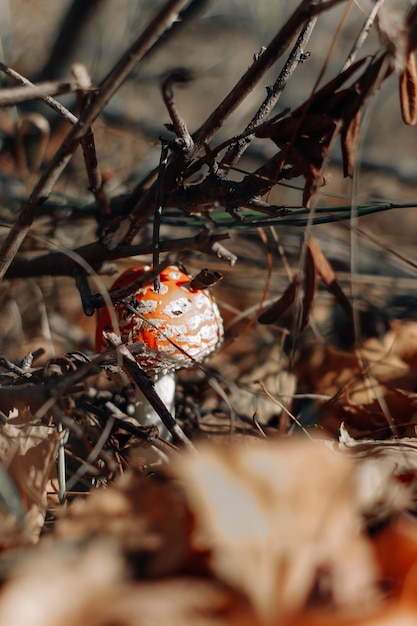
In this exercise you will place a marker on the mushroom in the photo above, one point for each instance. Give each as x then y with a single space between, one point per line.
176 325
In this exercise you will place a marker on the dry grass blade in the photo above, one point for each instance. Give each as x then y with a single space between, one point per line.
309 288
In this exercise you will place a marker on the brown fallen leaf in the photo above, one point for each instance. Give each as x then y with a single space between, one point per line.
147 519
52 583
28 457
401 341
396 564
274 518
168 602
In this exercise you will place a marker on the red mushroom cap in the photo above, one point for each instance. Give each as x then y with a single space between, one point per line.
177 325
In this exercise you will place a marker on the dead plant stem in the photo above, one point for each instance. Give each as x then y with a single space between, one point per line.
51 102
236 150
125 229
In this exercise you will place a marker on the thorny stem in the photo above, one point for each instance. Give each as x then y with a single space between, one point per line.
236 150
162 21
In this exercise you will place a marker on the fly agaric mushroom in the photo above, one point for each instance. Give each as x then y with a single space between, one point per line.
176 325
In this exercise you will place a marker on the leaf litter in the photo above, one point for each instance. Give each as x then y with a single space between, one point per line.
255 524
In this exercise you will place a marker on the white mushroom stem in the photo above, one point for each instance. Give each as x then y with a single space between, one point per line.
146 415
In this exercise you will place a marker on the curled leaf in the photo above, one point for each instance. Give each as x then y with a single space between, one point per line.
350 140
274 312
408 91
328 276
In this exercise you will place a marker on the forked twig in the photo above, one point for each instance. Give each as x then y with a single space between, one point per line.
51 102
304 12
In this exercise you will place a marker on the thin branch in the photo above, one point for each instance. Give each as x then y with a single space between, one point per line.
53 104
88 144
83 286
59 264
158 213
295 58
124 230
23 93
147 388
162 21
179 126
360 40
304 12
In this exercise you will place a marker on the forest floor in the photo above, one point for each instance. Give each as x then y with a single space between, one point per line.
285 493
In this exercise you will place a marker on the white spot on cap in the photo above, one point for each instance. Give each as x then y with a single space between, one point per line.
146 306
174 275
177 307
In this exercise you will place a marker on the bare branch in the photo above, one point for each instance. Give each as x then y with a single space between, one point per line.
179 126
59 264
125 229
88 144
236 150
163 20
53 104
15 95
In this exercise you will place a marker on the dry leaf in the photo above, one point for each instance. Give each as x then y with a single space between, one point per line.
408 91
274 518
401 341
276 310
386 473
170 602
306 135
328 276
52 583
396 549
28 457
146 518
